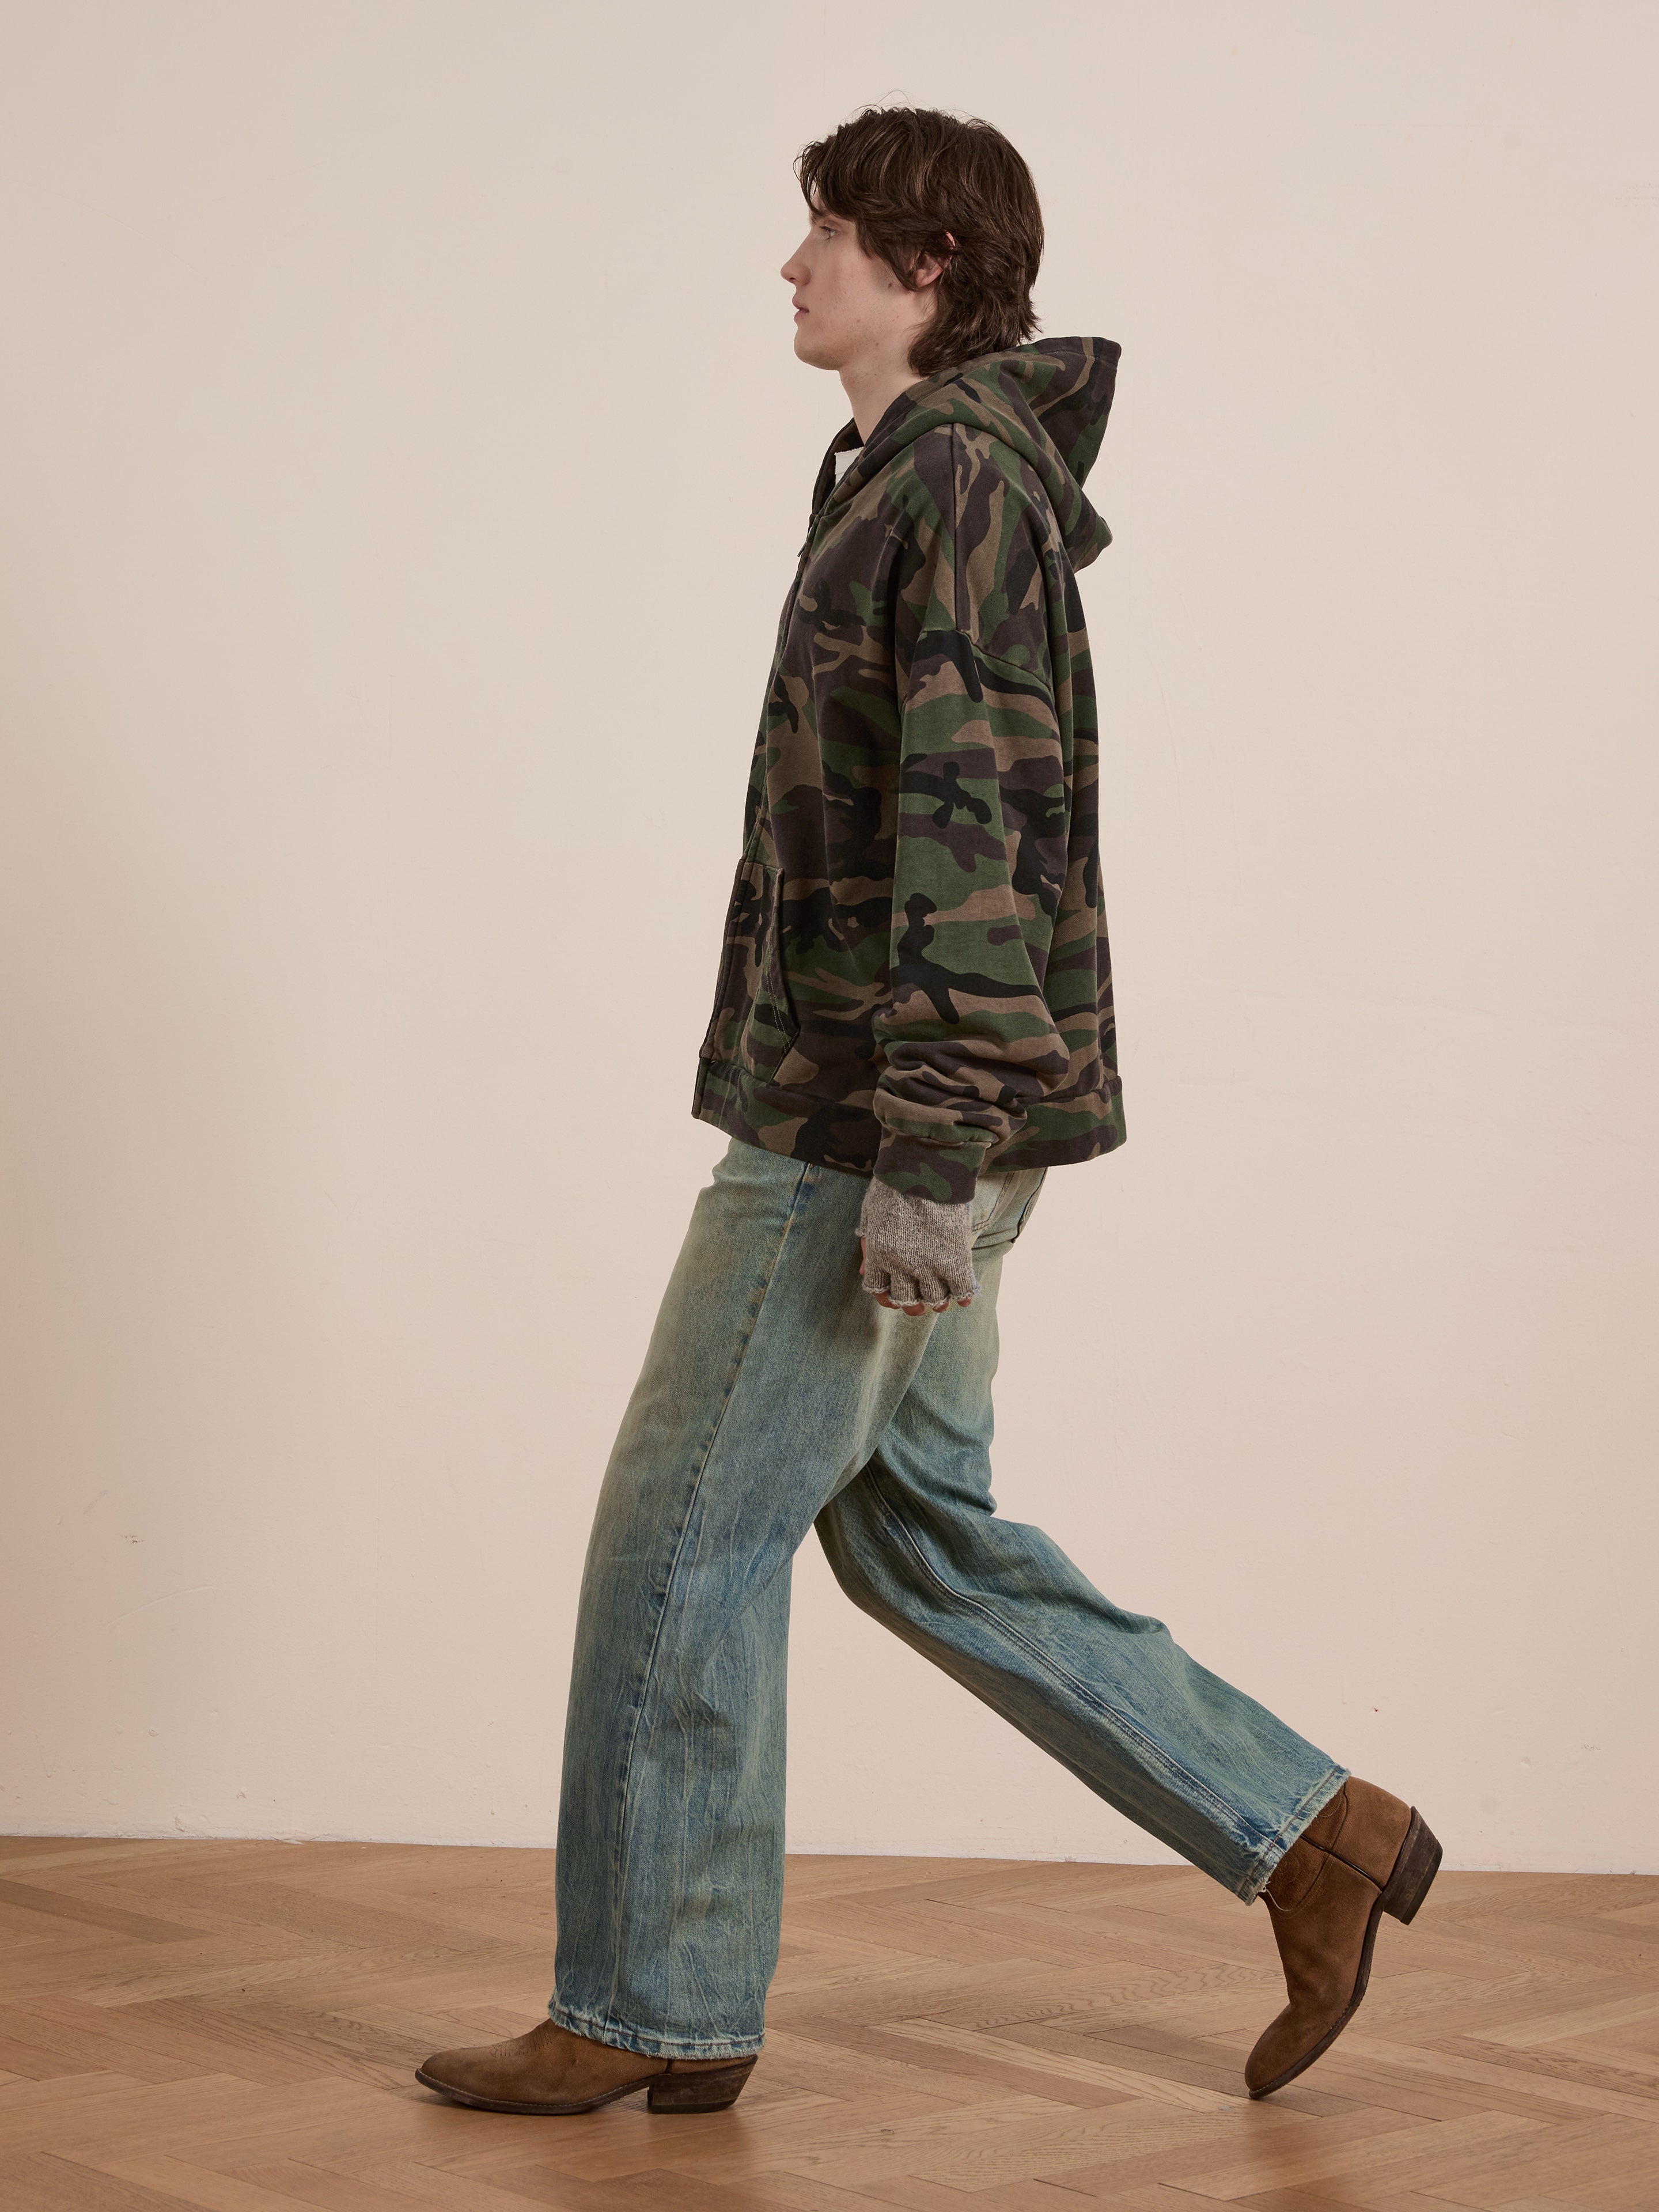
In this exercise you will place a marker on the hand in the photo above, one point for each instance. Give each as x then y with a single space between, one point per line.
915 1254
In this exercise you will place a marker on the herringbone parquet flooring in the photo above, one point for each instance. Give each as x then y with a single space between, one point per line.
233 2026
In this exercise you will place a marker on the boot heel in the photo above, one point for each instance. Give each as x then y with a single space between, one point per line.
709 2092
1414 1870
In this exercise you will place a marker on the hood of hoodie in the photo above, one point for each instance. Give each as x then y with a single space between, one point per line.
1048 401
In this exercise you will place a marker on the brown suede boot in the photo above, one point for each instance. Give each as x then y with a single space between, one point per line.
551 2070
1363 1855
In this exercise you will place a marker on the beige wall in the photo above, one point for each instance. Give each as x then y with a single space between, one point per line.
403 462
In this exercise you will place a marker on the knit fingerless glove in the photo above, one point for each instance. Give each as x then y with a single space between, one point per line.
917 1250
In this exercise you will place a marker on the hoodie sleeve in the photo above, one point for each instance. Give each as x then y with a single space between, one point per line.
966 1040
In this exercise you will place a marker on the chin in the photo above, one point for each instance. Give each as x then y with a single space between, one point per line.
813 354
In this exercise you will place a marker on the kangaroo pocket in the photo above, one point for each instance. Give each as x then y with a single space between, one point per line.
753 1024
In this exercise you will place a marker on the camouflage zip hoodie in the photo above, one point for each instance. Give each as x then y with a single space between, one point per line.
914 982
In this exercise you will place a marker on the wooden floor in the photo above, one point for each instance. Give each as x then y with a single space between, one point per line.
233 2025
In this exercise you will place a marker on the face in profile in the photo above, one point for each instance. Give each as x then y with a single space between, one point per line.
848 305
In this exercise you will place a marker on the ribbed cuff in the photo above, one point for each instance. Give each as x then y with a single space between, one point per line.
923 1167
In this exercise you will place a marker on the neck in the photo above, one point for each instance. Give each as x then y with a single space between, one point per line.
872 386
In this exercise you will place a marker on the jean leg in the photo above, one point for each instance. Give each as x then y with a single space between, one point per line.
915 1540
769 1375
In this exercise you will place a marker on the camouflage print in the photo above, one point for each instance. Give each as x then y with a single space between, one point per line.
914 982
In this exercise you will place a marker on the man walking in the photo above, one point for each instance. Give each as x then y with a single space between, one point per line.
912 1025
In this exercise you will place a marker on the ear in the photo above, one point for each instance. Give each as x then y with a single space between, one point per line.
930 267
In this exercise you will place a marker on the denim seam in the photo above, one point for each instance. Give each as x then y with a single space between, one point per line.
623 1823
1059 1673
1317 1795
1019 1226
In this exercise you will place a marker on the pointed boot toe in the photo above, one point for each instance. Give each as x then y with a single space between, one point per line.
1364 1854
549 2070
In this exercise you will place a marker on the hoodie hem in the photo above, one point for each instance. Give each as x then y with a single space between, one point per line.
796 1125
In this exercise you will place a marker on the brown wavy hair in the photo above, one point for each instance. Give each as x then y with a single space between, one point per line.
910 181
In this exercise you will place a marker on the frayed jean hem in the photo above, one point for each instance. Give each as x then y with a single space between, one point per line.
648 2042
1260 1872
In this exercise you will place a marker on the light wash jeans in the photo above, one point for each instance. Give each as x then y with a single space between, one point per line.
777 1394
